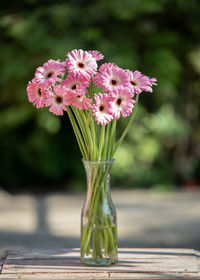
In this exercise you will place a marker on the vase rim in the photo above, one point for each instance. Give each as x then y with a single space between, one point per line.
99 161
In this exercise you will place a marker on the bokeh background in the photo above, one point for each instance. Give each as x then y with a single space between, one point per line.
42 179
160 38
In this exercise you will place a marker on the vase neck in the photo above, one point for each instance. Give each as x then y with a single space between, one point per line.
98 174
104 165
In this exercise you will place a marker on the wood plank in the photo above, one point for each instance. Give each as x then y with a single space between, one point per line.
92 276
68 266
126 253
132 264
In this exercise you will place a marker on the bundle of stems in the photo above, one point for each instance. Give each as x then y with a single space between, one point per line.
95 147
97 144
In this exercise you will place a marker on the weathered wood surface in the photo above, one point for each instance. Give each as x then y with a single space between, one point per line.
133 264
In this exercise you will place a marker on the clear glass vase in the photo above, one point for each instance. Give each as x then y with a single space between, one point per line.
98 218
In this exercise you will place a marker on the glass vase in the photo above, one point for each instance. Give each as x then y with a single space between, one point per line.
98 218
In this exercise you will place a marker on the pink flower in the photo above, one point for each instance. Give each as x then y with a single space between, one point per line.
79 100
139 82
82 63
120 102
75 82
100 109
48 73
113 77
105 66
56 99
36 94
97 78
97 55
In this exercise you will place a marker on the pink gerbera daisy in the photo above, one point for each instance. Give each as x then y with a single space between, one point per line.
97 55
56 99
79 100
36 94
97 78
120 102
114 77
100 109
48 73
75 82
82 63
139 82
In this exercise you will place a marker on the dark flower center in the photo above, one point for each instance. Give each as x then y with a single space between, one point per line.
39 92
74 87
81 65
59 99
113 82
119 101
133 83
101 108
50 74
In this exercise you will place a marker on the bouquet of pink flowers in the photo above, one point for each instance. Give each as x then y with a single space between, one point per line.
94 100
89 97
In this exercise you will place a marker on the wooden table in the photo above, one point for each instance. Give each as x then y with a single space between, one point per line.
133 264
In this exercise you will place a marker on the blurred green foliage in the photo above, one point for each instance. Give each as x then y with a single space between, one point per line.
159 38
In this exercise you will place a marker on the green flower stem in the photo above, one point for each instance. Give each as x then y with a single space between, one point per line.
88 133
105 242
104 152
82 128
111 142
113 138
90 90
127 128
77 133
85 240
94 140
96 186
112 231
92 210
91 214
101 141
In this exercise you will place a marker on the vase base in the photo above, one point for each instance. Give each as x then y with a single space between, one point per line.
98 262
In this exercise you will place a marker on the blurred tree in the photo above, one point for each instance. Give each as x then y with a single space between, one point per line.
159 38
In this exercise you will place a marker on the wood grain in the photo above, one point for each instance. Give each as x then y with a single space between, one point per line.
133 264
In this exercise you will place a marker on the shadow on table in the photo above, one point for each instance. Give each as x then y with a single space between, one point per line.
42 237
